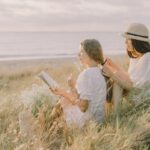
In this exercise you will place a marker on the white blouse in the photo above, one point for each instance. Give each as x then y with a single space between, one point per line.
139 70
91 86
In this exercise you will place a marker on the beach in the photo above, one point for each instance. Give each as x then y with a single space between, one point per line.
20 129
27 64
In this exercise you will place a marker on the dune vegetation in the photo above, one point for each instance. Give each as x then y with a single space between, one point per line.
29 122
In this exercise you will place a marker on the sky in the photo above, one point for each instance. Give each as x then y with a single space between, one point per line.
72 15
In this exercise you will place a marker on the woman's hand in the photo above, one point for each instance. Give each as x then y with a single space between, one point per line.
71 81
109 68
67 95
57 91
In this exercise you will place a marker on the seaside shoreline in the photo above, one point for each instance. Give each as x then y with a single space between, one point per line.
37 59
25 64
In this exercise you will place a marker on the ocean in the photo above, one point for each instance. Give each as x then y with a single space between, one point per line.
35 45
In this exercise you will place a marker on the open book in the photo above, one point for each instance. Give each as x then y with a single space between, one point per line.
48 79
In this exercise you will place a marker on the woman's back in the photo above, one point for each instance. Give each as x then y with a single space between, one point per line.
91 85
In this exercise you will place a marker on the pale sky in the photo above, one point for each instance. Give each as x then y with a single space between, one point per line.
72 15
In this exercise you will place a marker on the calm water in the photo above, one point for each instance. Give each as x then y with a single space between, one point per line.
54 44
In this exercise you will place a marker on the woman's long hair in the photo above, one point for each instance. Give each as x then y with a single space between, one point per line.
94 50
140 46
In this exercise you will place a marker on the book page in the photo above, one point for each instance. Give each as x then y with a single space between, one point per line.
48 79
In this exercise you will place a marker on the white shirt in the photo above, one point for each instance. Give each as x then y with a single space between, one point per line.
91 86
139 70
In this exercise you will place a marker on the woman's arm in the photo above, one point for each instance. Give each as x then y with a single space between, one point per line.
73 98
117 74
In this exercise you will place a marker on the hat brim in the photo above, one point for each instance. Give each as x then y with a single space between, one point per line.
135 37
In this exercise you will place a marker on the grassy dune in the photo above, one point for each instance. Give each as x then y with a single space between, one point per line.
24 96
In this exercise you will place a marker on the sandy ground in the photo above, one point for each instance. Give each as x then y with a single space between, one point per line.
20 64
14 65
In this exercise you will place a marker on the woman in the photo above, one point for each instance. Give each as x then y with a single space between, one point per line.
138 49
87 97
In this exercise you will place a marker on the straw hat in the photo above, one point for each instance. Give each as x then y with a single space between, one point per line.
137 31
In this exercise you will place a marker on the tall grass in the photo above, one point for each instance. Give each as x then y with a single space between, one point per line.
27 121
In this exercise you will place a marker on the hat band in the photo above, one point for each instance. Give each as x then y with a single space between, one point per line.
136 35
